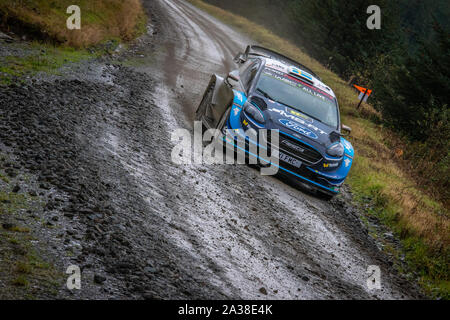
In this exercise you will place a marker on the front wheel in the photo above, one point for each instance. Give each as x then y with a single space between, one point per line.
325 196
223 120
220 132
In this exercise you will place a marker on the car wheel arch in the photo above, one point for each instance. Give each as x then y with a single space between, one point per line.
222 97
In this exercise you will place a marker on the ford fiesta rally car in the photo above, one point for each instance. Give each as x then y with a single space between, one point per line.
272 91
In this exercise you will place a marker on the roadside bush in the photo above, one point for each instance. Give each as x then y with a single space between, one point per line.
413 98
413 95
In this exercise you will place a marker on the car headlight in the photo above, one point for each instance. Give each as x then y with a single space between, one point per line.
254 113
336 150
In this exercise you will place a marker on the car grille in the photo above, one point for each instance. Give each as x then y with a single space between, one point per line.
297 149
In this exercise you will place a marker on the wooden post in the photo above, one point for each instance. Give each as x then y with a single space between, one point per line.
362 98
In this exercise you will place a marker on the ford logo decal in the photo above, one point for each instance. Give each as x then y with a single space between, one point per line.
298 128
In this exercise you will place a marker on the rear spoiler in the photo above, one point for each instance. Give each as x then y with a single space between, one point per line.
267 53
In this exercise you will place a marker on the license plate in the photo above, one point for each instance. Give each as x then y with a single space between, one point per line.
292 161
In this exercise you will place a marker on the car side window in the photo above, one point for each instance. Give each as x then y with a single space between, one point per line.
244 68
249 73
252 74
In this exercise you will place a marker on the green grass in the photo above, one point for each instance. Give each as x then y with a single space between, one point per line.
3 177
105 24
23 267
20 281
377 177
430 262
41 58
100 19
11 202
24 271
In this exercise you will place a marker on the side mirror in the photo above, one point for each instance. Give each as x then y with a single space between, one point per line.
346 129
234 75
240 58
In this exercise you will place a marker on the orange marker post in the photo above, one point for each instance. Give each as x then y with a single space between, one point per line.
364 94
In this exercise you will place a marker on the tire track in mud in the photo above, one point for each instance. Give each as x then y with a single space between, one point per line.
158 196
209 50
224 46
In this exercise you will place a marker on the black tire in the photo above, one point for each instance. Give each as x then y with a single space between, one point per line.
220 126
223 119
325 196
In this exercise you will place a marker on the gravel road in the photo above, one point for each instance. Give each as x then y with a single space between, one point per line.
96 142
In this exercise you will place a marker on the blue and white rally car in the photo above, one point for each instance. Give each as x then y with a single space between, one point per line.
271 91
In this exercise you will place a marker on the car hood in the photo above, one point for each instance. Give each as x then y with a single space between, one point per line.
293 122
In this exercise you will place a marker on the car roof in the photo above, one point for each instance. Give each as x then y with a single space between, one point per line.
299 72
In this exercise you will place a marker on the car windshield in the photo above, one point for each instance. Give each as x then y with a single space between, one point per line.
287 90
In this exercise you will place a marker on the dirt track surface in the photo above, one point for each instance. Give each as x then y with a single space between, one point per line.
97 143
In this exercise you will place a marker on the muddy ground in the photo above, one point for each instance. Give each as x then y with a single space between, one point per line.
95 145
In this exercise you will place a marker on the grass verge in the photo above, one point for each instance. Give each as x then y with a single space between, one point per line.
38 57
24 271
100 19
378 177
104 24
